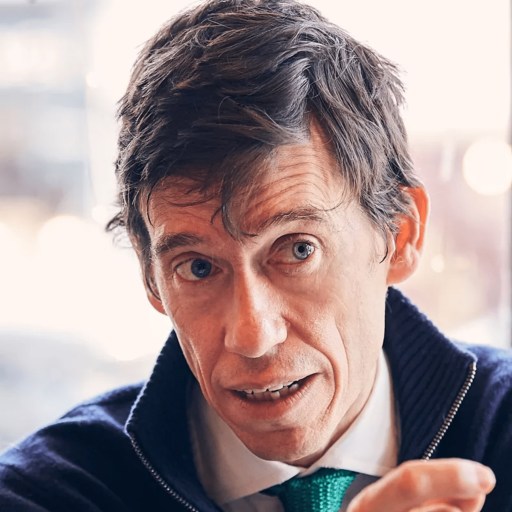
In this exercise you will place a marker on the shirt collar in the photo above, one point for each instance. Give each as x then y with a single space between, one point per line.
229 471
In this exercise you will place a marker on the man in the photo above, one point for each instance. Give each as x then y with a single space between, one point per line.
266 186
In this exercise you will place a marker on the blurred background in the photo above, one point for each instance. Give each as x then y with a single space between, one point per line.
73 314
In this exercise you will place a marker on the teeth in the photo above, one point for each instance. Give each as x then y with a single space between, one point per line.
249 391
278 388
275 388
273 393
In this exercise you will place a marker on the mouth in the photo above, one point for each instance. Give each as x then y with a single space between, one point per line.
272 393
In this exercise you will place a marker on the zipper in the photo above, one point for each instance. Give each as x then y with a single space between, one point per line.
451 413
154 473
426 455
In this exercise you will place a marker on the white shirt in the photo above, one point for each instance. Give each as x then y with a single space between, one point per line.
233 476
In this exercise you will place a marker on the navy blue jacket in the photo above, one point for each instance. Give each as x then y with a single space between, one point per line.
129 450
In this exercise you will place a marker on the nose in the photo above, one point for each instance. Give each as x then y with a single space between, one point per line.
256 325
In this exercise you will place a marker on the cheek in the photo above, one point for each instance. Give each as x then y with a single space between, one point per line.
318 324
363 327
353 300
199 340
199 326
200 360
191 353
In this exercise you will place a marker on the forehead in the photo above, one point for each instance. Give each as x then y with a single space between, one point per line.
297 179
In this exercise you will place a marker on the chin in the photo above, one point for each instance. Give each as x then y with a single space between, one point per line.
296 449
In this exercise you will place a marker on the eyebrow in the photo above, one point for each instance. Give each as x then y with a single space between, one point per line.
173 241
307 213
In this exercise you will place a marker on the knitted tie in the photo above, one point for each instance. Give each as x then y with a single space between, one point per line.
322 491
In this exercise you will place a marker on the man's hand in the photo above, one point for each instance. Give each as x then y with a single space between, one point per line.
442 485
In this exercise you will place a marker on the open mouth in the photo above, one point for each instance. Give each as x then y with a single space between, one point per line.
273 393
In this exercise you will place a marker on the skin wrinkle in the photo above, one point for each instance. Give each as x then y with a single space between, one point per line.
307 157
298 181
170 242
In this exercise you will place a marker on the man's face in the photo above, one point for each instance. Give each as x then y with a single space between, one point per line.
283 329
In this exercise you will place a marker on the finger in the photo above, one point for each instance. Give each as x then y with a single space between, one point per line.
472 505
415 483
436 508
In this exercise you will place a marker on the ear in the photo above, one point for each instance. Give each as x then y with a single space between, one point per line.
148 276
409 239
152 292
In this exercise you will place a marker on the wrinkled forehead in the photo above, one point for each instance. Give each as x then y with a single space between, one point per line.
294 178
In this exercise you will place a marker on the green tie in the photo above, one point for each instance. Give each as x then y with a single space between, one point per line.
322 491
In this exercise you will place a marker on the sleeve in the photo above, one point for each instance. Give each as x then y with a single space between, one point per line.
82 463
482 429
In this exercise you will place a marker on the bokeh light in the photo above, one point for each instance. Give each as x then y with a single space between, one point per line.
487 166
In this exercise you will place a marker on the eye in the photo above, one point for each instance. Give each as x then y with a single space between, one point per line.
293 253
194 270
302 250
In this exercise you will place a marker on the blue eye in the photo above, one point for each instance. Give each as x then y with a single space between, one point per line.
302 250
196 269
200 268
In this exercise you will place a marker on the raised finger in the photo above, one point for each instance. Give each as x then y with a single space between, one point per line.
420 483
472 505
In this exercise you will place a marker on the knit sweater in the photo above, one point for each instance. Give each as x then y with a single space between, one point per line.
129 450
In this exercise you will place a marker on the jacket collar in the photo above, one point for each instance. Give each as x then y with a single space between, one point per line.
427 369
158 425
428 372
